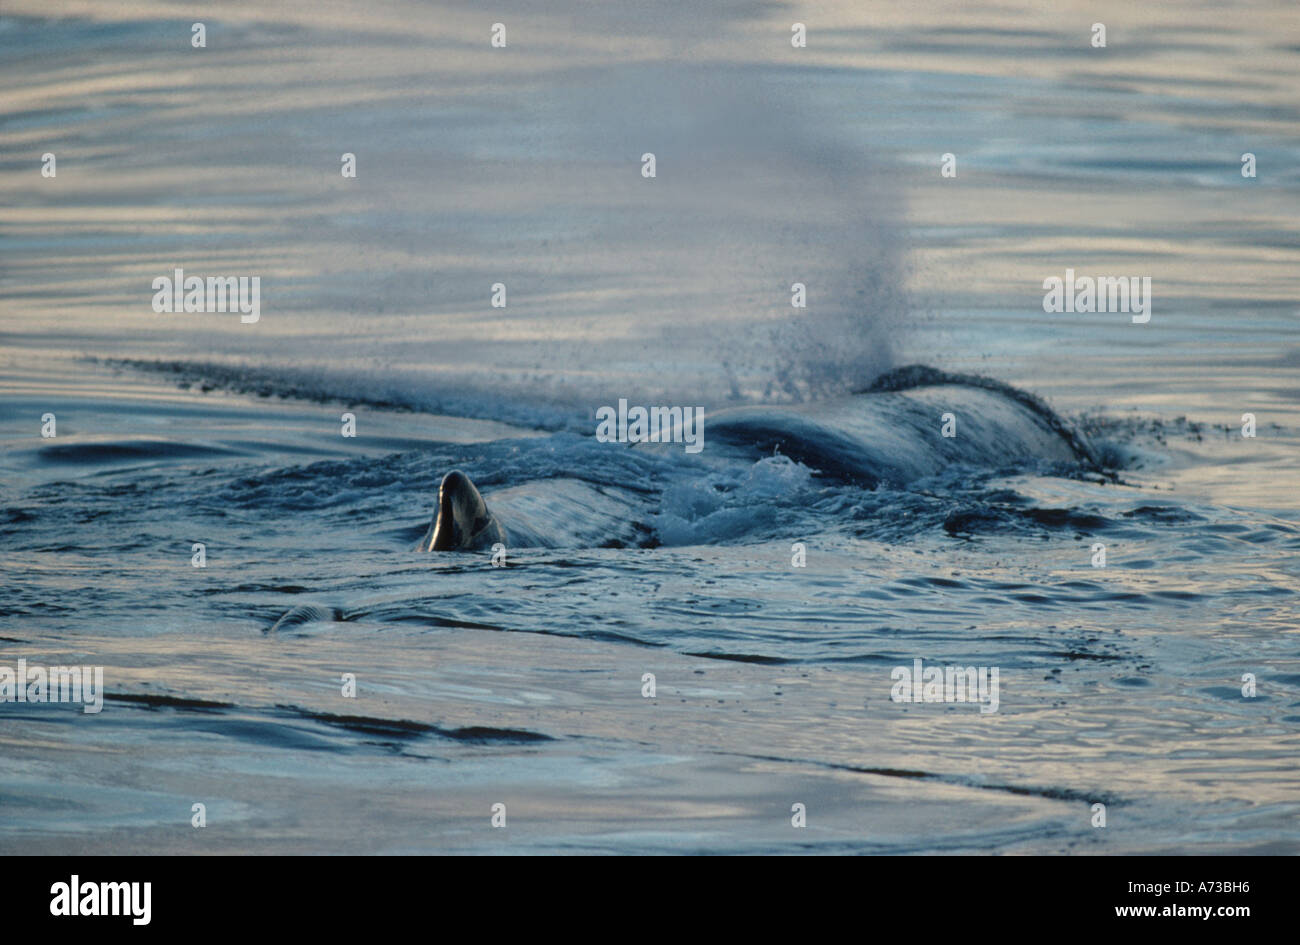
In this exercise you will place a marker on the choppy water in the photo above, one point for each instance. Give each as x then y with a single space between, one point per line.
523 685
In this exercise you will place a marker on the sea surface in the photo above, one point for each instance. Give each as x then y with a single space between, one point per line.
525 685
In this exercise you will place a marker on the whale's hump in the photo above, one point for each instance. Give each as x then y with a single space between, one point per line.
893 431
463 521
915 376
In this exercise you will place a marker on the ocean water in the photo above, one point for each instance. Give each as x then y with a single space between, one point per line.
524 685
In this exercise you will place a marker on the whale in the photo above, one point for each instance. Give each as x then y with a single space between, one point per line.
910 423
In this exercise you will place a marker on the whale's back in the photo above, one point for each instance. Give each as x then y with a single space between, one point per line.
894 432
896 438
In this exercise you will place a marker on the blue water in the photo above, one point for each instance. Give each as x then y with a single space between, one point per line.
524 684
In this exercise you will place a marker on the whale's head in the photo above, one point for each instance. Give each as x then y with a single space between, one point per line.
463 522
